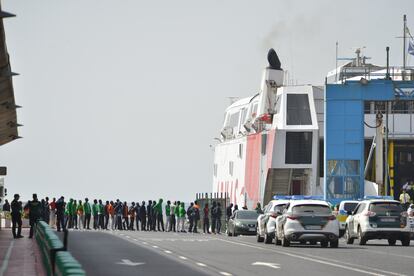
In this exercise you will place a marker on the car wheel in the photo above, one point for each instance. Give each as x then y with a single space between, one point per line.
259 238
324 244
341 233
229 233
392 242
234 233
267 238
334 244
405 241
361 236
285 241
277 241
347 237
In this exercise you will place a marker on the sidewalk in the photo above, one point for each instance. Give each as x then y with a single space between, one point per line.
19 257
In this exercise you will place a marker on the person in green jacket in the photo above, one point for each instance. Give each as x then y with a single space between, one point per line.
88 211
68 214
181 217
95 212
158 212
168 216
74 215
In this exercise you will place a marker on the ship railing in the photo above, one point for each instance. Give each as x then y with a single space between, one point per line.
368 72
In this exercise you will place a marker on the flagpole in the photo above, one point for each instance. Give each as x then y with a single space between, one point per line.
404 33
336 63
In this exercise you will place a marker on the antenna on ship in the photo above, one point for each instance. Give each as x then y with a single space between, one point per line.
404 37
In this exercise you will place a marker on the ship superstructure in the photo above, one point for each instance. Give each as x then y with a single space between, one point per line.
269 142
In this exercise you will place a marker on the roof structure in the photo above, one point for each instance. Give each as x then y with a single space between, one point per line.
8 117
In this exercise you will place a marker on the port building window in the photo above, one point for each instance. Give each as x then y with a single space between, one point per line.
298 148
298 110
343 178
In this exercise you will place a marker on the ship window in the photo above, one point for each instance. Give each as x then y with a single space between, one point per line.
240 151
233 120
298 148
243 115
264 143
254 110
298 110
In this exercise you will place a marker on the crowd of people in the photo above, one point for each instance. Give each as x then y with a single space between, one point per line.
117 215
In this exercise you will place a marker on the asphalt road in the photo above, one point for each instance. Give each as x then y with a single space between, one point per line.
118 252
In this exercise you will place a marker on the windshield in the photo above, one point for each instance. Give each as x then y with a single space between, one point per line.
311 209
386 208
349 207
247 215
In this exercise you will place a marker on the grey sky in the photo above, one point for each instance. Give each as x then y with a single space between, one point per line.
121 99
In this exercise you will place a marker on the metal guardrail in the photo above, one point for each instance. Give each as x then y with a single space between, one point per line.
56 259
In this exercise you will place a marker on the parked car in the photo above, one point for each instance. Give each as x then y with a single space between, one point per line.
307 220
345 207
242 222
378 219
266 222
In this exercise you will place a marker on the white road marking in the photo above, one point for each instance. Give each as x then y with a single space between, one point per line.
135 239
3 268
312 259
144 243
272 265
155 246
183 258
225 273
129 263
128 237
167 251
201 264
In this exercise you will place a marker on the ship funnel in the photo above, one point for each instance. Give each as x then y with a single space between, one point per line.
274 61
272 78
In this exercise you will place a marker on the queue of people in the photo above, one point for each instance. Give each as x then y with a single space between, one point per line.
117 215
144 216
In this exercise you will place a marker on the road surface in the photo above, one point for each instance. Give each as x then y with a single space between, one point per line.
155 253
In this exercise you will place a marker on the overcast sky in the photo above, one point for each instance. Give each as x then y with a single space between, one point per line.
122 99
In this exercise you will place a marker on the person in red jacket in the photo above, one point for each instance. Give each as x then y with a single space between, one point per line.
125 211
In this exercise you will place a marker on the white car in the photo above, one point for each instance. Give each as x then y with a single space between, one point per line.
345 208
378 219
266 222
307 220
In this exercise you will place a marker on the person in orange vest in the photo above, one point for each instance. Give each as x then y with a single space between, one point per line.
111 213
81 216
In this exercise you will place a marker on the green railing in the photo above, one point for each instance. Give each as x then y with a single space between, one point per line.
56 260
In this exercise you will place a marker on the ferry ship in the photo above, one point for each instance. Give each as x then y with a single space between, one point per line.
269 142
272 143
